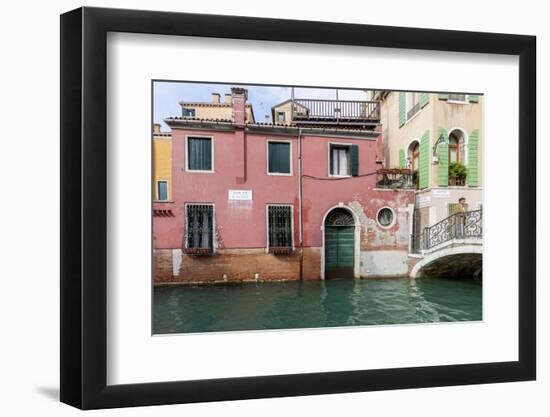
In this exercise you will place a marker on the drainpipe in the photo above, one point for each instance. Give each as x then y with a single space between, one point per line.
300 231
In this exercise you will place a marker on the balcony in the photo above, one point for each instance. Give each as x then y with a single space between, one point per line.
330 112
394 179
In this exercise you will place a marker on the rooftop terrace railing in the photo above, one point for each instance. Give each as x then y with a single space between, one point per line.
318 110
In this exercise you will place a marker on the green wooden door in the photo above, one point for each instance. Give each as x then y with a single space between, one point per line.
339 248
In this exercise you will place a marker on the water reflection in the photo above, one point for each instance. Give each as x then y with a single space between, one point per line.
309 304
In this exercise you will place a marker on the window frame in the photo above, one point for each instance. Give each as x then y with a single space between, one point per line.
346 145
283 174
466 100
213 225
158 193
409 107
267 206
277 114
393 221
189 110
212 150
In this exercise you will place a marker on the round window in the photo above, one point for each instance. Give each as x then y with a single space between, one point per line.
385 217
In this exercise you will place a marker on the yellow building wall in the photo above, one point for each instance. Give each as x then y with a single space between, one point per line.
162 163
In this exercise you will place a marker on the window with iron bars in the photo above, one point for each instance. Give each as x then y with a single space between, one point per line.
199 228
279 229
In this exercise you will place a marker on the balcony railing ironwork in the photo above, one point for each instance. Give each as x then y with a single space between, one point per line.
340 111
394 178
461 225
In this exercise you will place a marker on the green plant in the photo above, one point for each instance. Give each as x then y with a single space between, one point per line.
457 171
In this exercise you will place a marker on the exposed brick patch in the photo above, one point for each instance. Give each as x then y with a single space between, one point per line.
162 265
229 266
312 263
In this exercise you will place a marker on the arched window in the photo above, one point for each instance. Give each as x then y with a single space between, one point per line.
457 147
414 158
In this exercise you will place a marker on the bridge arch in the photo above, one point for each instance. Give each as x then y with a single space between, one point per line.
458 261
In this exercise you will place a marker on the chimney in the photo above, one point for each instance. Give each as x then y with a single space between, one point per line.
239 96
266 118
156 128
228 99
215 98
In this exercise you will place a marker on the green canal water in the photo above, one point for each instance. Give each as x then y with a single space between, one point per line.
308 304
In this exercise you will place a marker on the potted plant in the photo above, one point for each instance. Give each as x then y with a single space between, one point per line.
457 173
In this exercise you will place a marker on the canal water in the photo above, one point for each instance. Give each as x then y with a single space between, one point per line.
308 304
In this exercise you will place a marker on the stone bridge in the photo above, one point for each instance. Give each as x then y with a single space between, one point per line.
452 247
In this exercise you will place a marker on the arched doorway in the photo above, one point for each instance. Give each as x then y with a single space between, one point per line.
339 254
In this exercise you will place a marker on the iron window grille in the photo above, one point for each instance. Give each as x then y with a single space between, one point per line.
280 229
199 229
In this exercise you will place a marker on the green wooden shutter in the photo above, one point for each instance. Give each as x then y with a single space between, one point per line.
424 99
402 160
354 160
279 157
443 155
199 154
473 99
424 168
402 115
473 179
443 96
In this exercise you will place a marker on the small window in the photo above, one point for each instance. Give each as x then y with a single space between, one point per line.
279 227
199 227
199 154
278 155
413 104
162 190
281 117
457 97
188 112
339 160
385 217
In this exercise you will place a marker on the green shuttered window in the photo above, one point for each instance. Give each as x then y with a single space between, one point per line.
278 157
473 155
402 159
424 168
354 160
344 160
199 154
402 110
443 156
424 99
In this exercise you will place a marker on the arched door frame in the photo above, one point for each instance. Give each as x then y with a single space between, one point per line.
356 240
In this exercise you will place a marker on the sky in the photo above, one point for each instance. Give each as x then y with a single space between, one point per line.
167 95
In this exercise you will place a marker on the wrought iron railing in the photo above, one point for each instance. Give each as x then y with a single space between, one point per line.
394 178
349 110
461 225
199 230
280 229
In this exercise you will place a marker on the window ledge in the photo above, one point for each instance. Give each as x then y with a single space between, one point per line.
198 251
281 250
279 174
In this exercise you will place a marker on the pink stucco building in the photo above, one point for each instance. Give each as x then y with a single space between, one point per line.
286 201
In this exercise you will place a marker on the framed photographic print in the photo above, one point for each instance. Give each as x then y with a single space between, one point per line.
258 208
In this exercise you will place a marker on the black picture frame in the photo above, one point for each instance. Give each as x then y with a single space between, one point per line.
84 207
